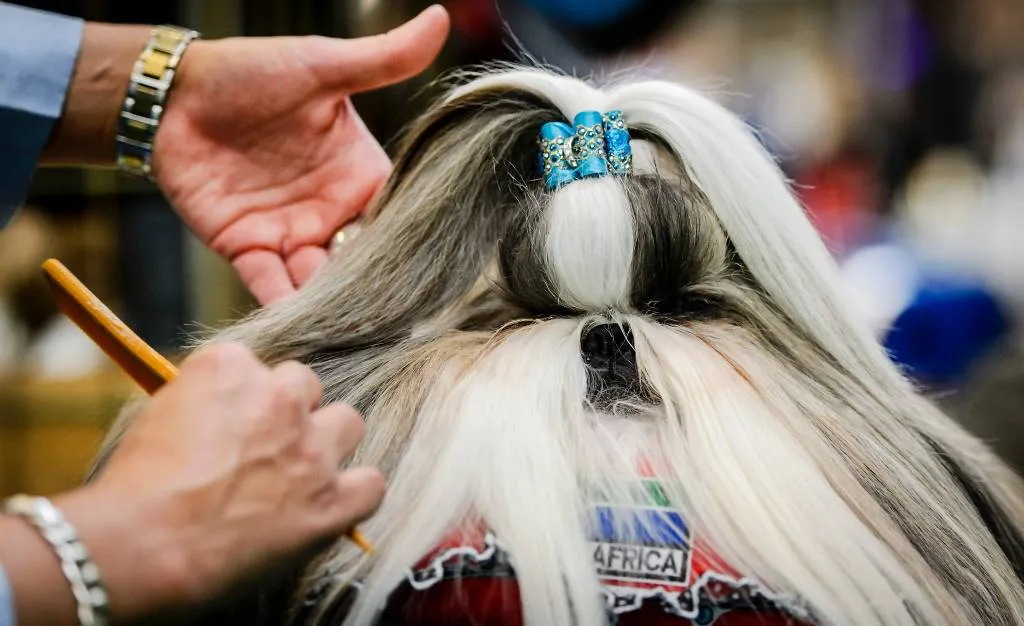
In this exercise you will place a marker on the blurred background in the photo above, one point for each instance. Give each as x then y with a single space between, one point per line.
900 122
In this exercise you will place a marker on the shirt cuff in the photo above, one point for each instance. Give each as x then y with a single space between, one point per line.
6 601
38 51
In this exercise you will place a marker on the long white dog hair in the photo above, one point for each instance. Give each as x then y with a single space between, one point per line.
786 437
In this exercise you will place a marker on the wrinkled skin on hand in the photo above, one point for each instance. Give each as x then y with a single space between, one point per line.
232 471
262 153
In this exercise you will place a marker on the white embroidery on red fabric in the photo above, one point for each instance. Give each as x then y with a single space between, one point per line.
621 596
421 578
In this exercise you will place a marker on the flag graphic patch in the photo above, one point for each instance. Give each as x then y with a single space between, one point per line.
644 543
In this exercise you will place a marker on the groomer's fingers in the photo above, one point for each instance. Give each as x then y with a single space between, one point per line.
298 384
369 63
337 430
361 490
265 274
304 262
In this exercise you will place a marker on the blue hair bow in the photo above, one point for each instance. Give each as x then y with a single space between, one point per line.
597 146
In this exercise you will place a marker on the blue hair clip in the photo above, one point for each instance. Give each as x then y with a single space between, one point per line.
595 145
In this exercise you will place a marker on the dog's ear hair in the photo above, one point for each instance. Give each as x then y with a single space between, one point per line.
1006 534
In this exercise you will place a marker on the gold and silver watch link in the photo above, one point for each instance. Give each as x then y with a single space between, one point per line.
152 78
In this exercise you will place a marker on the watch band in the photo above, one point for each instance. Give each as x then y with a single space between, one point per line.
143 106
75 562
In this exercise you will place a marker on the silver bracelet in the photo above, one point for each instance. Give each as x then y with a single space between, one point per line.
75 562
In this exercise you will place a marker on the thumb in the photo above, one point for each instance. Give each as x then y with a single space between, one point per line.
369 63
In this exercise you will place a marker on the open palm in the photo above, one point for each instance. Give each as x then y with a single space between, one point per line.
262 153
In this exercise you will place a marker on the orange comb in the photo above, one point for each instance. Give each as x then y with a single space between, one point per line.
144 364
133 355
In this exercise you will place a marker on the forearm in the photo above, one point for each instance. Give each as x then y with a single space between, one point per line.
85 133
41 593
139 566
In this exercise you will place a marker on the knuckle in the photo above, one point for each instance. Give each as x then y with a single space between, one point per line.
365 488
225 370
314 384
257 380
229 357
203 357
286 394
312 455
349 417
263 399
294 370
349 420
232 354
359 492
376 484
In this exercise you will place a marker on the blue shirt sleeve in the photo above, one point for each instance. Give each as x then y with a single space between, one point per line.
38 51
6 601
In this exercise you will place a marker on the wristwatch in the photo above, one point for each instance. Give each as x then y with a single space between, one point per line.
151 81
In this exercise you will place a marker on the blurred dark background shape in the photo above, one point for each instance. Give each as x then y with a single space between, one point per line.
900 122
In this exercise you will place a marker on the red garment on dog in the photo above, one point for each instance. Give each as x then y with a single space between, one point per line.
653 571
468 581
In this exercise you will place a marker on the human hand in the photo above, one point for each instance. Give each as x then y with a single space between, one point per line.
231 470
262 153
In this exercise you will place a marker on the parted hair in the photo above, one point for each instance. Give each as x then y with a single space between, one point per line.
470 323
